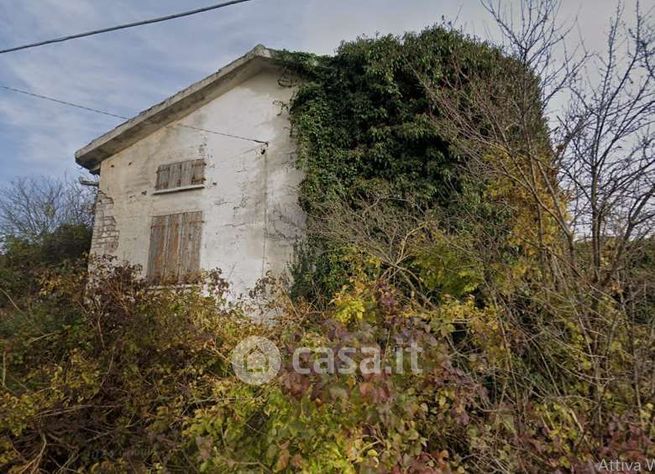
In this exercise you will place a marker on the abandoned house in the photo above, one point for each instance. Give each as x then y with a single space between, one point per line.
203 180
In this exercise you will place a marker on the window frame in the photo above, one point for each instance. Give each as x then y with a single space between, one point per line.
188 174
174 248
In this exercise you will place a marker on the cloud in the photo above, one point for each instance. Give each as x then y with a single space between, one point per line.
128 71
326 24
118 72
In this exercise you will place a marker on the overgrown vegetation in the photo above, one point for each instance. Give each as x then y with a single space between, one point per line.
437 217
365 128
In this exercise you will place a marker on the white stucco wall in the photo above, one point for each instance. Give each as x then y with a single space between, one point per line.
249 203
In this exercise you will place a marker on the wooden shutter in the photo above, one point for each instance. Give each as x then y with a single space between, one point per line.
175 180
180 174
198 172
156 257
185 172
162 177
189 258
174 255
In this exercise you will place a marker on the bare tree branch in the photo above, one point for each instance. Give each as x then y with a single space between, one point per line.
32 207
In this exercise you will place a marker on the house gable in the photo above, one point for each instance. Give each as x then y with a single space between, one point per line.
172 109
153 191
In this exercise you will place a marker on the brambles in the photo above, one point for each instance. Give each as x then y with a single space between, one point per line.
119 377
456 246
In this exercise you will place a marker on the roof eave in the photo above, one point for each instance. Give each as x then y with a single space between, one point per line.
173 108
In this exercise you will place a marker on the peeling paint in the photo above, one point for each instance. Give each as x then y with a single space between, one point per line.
250 204
105 230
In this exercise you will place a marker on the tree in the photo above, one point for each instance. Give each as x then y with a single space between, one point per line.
32 207
587 173
592 173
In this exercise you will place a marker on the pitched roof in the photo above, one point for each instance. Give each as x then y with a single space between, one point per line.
174 108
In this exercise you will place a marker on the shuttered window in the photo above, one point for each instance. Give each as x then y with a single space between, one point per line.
183 174
174 256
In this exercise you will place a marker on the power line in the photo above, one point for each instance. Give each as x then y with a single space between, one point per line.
61 102
110 114
124 26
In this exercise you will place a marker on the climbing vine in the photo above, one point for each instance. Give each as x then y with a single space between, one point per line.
365 125
407 245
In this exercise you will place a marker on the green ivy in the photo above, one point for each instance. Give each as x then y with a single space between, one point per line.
363 120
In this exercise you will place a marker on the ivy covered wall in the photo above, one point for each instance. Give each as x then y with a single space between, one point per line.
365 123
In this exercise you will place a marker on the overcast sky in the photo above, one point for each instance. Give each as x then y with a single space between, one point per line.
127 71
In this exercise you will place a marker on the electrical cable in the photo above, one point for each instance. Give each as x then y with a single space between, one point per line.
123 27
110 114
